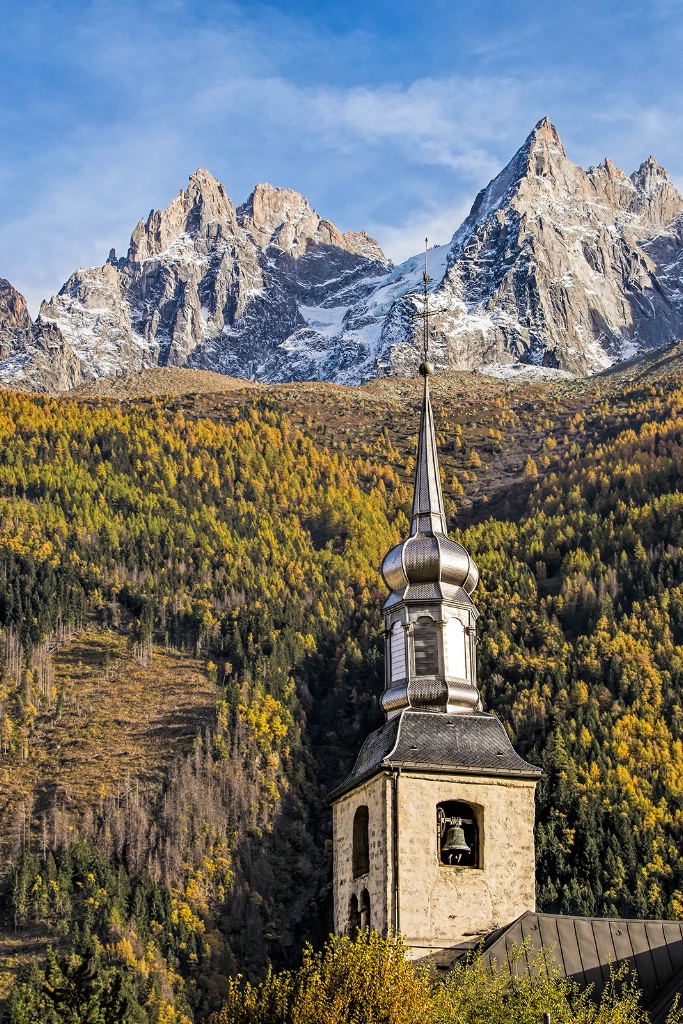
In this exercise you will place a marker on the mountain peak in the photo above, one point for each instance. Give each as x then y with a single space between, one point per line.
14 314
545 131
544 145
204 202
649 175
283 217
268 208
280 216
541 156
613 171
657 198
204 189
203 177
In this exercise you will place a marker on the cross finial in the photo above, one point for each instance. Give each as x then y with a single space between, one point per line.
426 368
425 302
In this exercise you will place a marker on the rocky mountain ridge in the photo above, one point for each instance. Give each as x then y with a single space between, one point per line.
562 267
555 266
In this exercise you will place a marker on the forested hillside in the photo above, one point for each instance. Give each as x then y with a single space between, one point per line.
223 554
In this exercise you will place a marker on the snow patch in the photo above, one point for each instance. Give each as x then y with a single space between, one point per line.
517 370
325 320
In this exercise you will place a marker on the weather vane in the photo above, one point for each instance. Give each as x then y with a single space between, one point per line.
426 368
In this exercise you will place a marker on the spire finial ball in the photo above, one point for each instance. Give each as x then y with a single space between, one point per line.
426 369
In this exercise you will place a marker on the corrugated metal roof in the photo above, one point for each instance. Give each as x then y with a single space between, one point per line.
422 740
584 947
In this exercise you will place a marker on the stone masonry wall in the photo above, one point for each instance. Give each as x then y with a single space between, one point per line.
376 795
443 906
439 906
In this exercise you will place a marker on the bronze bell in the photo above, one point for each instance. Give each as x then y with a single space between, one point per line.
455 841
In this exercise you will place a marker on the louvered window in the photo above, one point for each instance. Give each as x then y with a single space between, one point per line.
425 645
398 652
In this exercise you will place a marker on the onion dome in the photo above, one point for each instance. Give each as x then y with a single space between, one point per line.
428 556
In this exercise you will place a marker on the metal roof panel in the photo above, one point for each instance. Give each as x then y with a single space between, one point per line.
585 947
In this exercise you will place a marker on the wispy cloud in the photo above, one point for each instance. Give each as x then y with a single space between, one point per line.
368 142
110 114
436 223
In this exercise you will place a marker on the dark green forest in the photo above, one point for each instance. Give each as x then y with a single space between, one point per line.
248 542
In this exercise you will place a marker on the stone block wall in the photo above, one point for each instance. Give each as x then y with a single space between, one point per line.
376 796
438 906
446 905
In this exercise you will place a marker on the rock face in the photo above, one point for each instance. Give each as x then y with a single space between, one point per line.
257 291
15 321
562 267
14 314
555 266
32 355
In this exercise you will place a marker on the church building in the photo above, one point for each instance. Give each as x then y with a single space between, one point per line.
434 827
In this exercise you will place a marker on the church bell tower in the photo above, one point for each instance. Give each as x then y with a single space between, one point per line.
433 829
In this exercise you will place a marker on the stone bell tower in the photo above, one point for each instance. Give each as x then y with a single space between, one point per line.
433 829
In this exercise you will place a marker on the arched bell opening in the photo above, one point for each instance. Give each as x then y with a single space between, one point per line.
354 917
457 833
365 909
360 859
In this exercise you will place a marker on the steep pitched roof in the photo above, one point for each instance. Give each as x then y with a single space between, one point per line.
474 743
584 947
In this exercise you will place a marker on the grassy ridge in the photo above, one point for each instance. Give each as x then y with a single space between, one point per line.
107 719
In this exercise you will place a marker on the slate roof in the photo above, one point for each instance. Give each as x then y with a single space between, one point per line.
583 947
474 743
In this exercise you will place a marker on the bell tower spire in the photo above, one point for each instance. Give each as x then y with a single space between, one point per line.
433 828
430 618
428 511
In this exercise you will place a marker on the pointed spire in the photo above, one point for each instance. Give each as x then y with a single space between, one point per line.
429 616
428 510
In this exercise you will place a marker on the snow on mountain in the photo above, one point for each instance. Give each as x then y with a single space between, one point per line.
552 265
257 291
555 267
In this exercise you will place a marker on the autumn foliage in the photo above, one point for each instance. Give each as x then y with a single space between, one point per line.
254 545
370 980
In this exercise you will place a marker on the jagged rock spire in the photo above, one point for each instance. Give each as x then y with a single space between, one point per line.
428 511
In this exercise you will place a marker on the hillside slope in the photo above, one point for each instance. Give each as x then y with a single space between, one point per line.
245 529
103 720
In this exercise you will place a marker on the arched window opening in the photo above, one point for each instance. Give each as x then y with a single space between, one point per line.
425 645
361 843
455 649
398 652
457 833
354 917
365 909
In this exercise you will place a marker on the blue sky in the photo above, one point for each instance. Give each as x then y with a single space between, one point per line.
388 116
